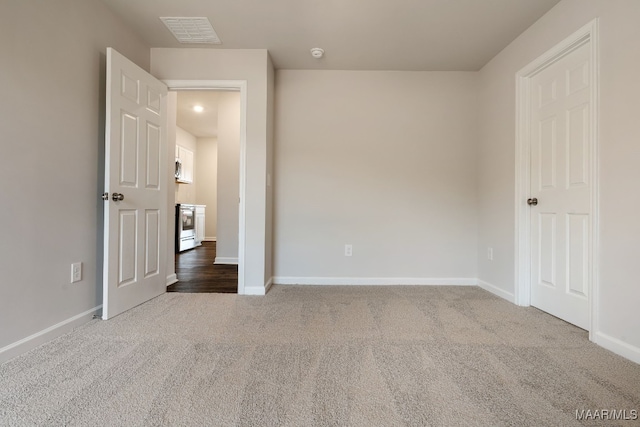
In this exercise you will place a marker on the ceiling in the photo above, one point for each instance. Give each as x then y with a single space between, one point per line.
200 125
430 35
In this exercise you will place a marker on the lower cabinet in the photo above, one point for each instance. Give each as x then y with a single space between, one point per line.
200 209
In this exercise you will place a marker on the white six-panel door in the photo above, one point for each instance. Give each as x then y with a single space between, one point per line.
560 181
135 168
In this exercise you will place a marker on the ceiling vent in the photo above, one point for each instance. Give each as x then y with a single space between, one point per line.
191 30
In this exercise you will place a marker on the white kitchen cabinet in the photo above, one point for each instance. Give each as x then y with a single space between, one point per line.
185 157
200 210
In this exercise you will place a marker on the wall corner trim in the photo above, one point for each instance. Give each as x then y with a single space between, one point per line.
617 346
34 340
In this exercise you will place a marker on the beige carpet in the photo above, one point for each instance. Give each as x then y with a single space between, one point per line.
325 356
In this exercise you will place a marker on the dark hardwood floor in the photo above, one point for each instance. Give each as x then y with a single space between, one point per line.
197 274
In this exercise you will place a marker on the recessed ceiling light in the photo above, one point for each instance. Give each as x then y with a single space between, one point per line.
198 108
192 30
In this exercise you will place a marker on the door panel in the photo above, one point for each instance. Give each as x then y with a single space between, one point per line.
152 247
153 164
129 151
547 249
135 166
548 152
578 145
577 254
127 247
560 177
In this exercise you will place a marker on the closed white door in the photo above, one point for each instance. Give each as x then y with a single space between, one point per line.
560 181
135 185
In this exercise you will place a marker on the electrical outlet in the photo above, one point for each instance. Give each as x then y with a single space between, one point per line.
490 254
76 272
348 250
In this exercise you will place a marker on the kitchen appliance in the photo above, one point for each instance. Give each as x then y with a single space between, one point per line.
185 227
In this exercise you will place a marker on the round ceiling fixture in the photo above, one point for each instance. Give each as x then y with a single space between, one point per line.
198 108
317 52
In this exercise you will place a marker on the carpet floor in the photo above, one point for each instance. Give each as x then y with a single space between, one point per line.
324 356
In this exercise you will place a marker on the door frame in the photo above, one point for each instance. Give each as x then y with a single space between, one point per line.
586 34
241 86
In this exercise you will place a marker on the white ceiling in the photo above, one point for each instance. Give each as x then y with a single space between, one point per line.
445 35
200 125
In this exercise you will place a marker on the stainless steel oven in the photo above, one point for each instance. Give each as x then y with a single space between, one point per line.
185 227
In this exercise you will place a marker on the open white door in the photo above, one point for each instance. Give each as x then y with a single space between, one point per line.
135 187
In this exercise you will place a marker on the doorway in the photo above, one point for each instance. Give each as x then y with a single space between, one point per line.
221 182
556 180
207 190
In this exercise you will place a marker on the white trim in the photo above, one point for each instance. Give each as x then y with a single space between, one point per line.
617 346
240 85
210 239
497 291
32 341
221 260
171 279
586 34
374 281
259 290
255 290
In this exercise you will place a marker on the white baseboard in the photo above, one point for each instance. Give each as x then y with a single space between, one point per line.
497 291
377 281
617 346
225 260
171 279
258 290
255 290
210 239
32 341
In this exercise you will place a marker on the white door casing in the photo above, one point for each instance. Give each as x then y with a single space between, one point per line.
135 239
560 177
556 162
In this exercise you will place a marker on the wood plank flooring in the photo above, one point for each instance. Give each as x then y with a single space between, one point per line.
197 274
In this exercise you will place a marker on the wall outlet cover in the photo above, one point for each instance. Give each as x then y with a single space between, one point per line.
76 272
348 250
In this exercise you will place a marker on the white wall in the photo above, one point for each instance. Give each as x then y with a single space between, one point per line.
207 178
233 64
618 318
51 168
385 161
228 176
186 193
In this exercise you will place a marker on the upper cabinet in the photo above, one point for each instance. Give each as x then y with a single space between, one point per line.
184 165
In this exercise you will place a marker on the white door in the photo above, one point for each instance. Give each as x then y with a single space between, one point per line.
136 171
560 181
